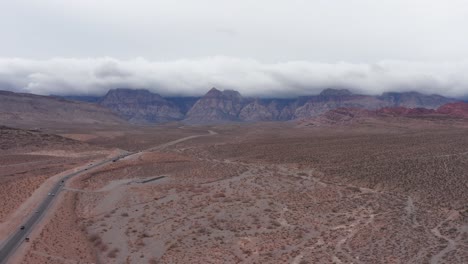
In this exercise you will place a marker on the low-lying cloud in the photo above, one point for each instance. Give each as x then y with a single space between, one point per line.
95 76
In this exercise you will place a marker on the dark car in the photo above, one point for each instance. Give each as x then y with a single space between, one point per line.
22 227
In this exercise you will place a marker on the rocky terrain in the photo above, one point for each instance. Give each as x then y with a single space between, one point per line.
366 183
390 192
141 106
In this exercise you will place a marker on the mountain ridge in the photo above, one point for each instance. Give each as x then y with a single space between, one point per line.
144 107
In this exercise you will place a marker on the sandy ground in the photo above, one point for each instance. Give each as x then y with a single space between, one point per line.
80 137
261 195
61 230
265 214
12 221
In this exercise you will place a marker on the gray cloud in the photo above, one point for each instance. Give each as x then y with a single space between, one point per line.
95 76
270 31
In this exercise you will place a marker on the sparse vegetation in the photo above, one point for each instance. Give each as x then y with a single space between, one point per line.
293 196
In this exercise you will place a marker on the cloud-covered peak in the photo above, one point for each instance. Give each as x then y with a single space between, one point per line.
194 77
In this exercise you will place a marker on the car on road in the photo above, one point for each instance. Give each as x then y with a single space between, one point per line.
22 227
27 239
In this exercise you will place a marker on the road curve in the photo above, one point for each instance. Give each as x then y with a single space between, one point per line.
15 240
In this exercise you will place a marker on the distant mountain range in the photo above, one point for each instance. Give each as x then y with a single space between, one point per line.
144 107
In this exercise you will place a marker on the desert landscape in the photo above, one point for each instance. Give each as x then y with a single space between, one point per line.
233 132
266 193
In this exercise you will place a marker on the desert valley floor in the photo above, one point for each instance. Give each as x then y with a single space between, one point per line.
383 192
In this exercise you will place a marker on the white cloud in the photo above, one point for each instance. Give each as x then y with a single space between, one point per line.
94 76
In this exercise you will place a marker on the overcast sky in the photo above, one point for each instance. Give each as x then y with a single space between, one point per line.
261 48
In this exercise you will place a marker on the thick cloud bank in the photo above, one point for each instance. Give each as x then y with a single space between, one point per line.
95 76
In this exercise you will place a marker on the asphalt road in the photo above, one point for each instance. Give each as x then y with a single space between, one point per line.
15 240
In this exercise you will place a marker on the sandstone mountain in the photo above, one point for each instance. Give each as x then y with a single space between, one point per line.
343 115
29 110
268 110
229 105
405 111
329 99
141 106
184 103
216 106
414 100
458 109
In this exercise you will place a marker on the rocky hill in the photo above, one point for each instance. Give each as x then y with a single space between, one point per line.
22 140
19 109
458 109
343 115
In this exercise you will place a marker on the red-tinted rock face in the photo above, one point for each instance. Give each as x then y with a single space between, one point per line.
331 99
459 109
345 115
403 111
340 115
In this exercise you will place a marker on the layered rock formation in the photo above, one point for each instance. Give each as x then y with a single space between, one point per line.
414 100
216 106
141 106
144 107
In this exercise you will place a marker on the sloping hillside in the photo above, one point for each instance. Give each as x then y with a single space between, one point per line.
35 110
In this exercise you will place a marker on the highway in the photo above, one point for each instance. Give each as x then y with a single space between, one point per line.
15 240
